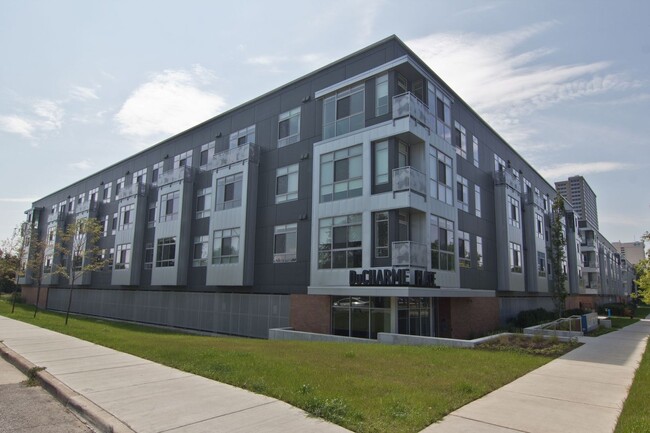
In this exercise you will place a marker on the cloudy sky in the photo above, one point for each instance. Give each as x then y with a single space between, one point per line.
85 84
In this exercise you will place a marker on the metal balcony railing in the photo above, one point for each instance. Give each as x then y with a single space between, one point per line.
131 190
409 179
178 174
506 177
409 254
407 104
247 152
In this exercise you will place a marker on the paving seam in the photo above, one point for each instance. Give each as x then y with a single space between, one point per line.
560 399
76 357
570 378
143 383
489 423
98 369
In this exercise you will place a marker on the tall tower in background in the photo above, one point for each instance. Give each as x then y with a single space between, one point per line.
577 191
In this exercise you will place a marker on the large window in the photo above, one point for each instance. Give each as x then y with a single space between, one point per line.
515 257
360 316
339 242
200 251
499 163
477 200
156 172
440 169
203 202
460 140
242 137
225 246
381 235
343 112
441 104
462 193
169 204
289 127
119 186
341 174
442 244
286 183
381 162
183 160
166 252
464 259
381 95
140 176
229 192
123 258
127 216
285 241
513 211
207 152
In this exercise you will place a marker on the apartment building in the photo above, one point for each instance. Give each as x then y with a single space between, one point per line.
577 191
633 252
364 197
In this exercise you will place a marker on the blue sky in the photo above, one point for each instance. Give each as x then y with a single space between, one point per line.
85 84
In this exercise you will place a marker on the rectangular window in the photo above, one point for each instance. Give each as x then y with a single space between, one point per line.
82 196
515 257
475 154
119 185
127 216
286 183
169 204
499 163
106 196
479 252
123 258
381 95
442 244
151 215
207 152
166 252
462 193
148 256
339 242
440 172
111 255
105 226
93 195
546 201
539 226
341 174
343 112
541 264
381 163
242 137
381 235
285 242
47 267
203 203
183 160
156 172
464 259
441 104
527 186
225 246
229 191
114 224
289 127
140 177
460 140
200 251
71 205
477 200
513 211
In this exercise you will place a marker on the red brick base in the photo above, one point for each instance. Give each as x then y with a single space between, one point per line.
473 317
311 313
29 295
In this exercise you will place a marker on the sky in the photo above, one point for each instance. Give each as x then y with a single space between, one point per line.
84 84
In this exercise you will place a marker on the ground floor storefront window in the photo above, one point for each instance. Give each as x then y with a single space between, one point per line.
360 316
414 316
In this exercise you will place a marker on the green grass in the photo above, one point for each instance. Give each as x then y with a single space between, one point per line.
635 417
617 323
366 388
642 311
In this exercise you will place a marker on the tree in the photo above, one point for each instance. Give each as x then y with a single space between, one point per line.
557 255
78 243
12 255
34 264
643 274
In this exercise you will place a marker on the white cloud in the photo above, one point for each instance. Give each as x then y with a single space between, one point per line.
82 165
16 125
82 93
170 102
18 200
50 113
44 116
560 171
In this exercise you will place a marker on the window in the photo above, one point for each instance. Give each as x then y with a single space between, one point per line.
441 104
151 215
92 195
119 185
513 211
169 206
156 172
286 183
123 258
242 137
127 216
140 177
106 196
225 246
285 242
545 200
475 154
341 174
381 95
462 193
541 264
339 242
479 252
441 180
477 200
62 207
464 259
515 257
343 112
539 226
442 244
203 203
166 252
381 235
111 254
82 196
105 226
499 163
460 140
148 256
381 163
229 192
207 152
289 127
402 154
418 89
183 160
527 186
402 84
47 268
200 251
114 224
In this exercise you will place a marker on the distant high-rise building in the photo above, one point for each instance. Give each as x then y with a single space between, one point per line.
633 252
577 191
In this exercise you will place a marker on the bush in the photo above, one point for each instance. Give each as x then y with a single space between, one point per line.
7 286
617 309
534 317
575 312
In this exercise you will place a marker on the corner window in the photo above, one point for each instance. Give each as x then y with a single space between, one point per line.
229 192
515 257
114 224
463 250
381 95
381 235
166 252
440 170
285 241
341 174
200 251
203 203
462 193
381 163
111 256
289 127
460 140
286 183
339 242
242 137
343 112
151 215
169 204
123 258
441 104
225 246
442 244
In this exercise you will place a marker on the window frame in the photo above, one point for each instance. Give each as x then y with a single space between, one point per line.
292 173
288 117
352 252
285 230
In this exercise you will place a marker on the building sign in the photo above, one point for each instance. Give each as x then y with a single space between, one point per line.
393 277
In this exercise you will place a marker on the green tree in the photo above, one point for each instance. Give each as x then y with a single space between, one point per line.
643 274
12 256
557 255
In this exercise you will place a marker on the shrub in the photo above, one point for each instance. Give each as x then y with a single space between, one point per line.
616 309
575 312
534 317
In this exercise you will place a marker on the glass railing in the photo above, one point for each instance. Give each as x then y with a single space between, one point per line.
409 253
409 179
178 174
133 189
227 157
407 104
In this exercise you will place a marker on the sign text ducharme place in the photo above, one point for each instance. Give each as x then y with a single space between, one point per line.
393 277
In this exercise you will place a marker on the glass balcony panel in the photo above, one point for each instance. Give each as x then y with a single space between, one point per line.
409 254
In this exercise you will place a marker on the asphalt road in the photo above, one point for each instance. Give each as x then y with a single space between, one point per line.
31 409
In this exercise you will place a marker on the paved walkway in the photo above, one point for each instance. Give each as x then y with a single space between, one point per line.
127 393
583 391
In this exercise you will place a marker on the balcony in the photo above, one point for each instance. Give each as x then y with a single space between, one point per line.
87 206
409 179
409 254
56 216
407 105
176 175
131 190
532 198
250 152
505 177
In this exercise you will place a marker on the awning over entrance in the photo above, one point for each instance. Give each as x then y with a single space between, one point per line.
400 291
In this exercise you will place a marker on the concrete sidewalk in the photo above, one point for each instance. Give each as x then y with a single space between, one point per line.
583 391
124 393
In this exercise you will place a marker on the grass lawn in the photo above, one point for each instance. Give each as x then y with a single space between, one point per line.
635 417
363 387
617 323
642 311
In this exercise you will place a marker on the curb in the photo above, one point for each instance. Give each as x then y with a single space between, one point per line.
95 415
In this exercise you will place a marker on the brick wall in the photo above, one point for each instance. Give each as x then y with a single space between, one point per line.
29 295
311 313
473 317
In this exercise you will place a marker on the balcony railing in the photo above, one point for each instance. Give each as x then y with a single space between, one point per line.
87 206
249 152
407 104
409 179
178 174
131 190
504 176
588 243
409 253
535 199
56 216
